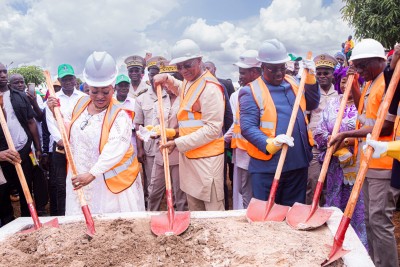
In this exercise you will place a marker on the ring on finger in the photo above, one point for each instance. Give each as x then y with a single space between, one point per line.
77 183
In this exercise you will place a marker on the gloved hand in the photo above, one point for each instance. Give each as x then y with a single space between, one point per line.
170 132
380 148
275 144
310 66
149 127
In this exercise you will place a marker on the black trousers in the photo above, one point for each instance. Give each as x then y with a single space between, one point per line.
58 180
52 187
12 177
6 209
40 191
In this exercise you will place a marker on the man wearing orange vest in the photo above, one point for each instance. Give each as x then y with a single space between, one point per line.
265 110
200 118
369 60
249 70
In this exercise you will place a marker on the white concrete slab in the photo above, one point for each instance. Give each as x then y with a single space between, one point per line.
358 256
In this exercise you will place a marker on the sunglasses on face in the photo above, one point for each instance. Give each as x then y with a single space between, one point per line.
362 65
185 66
281 68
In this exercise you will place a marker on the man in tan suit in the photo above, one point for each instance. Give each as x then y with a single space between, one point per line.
200 118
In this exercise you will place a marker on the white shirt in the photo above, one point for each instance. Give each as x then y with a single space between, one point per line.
67 104
18 134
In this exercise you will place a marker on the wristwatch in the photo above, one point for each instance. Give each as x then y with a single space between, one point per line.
346 142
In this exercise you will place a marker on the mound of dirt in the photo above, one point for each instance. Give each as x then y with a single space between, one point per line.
207 242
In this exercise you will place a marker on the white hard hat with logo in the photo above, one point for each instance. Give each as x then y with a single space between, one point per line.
184 50
100 69
273 52
368 48
248 60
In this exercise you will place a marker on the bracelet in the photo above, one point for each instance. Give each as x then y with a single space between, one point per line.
346 142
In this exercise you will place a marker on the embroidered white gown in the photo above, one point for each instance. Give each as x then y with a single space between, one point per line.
85 141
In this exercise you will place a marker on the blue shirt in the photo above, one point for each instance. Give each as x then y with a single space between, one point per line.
283 96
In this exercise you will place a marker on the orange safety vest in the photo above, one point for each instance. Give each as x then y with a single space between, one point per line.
268 116
123 174
238 141
190 120
377 92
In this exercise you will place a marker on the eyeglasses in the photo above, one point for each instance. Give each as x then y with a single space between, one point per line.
281 68
362 65
185 66
85 122
325 73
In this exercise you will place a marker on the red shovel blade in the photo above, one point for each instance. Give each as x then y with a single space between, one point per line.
160 224
337 253
89 221
257 211
301 217
51 223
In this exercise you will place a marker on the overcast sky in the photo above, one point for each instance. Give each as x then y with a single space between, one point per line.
48 33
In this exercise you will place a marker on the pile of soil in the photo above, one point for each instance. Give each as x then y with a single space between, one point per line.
207 242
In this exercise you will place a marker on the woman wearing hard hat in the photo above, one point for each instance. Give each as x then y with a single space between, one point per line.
100 138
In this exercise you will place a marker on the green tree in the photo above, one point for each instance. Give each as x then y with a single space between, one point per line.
31 74
377 19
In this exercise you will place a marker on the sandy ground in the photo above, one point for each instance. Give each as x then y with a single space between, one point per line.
207 242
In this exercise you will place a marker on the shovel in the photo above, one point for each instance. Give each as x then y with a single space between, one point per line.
60 122
259 210
305 217
173 222
21 176
337 251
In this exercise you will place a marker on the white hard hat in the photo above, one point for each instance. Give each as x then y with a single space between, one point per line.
184 50
273 52
100 69
368 48
248 60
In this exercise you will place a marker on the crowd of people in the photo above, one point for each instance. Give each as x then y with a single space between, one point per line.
113 125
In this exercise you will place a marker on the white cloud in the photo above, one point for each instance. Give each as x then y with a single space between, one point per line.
48 33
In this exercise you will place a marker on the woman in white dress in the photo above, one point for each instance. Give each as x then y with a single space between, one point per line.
100 139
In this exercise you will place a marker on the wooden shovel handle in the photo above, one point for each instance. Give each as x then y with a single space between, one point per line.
336 128
384 107
163 139
61 128
20 172
292 120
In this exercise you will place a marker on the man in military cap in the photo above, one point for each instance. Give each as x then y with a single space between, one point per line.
144 116
136 65
325 66
171 103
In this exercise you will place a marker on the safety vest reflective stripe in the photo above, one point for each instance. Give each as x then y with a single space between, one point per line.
194 97
238 136
190 123
267 124
117 170
258 94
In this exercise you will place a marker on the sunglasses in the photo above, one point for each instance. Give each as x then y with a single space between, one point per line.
362 65
185 66
276 69
324 73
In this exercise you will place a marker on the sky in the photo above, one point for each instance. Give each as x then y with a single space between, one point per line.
48 33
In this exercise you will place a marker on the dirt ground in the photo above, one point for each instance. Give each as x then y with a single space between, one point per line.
207 242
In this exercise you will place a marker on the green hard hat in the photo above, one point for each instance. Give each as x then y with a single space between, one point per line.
122 78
